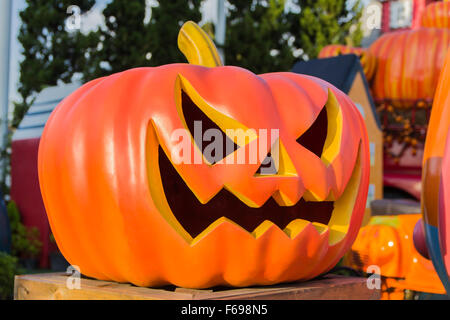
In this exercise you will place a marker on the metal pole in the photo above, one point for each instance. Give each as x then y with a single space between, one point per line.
221 27
5 41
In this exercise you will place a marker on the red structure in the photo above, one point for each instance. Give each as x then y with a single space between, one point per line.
25 189
402 14
405 175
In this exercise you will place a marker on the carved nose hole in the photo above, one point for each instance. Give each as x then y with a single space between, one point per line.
277 162
267 167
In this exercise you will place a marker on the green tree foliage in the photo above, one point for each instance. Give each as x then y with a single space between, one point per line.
323 22
128 41
257 36
262 36
123 41
167 18
8 269
50 52
25 240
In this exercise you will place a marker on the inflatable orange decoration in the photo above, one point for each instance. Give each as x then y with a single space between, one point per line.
436 179
437 15
408 65
121 208
387 243
367 60
444 203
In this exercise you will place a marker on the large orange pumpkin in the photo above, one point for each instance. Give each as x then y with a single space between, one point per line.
122 209
408 64
437 15
367 60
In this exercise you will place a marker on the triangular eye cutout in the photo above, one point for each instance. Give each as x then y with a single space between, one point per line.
314 138
201 127
216 134
277 162
324 136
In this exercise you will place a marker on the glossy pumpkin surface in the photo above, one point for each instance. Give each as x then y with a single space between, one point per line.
121 208
435 177
444 204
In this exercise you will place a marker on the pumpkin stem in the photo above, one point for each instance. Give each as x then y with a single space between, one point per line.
197 46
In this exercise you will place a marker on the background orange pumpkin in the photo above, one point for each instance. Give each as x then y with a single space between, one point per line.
106 171
408 65
437 15
387 243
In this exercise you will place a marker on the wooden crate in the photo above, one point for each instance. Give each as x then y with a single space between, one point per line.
53 286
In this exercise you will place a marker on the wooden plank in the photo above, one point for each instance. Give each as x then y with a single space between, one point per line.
53 286
330 287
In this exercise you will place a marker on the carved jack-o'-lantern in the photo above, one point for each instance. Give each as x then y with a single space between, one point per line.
121 208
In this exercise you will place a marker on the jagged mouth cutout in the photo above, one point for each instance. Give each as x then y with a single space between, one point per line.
194 220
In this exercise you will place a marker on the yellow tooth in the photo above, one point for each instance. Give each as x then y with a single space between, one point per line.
295 227
282 199
311 196
210 228
320 227
337 233
262 228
